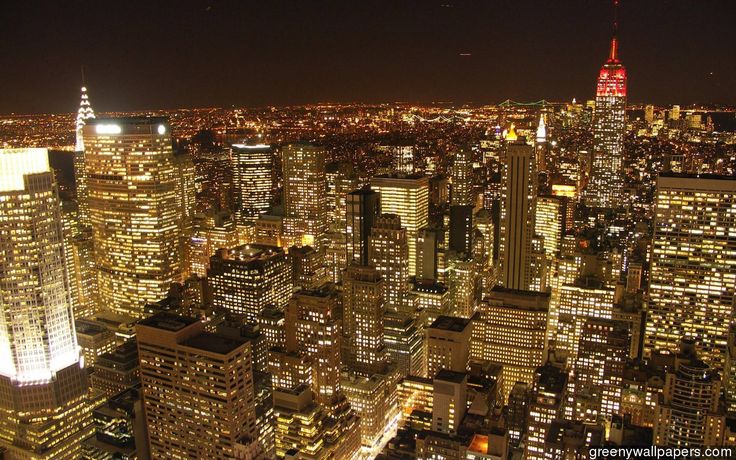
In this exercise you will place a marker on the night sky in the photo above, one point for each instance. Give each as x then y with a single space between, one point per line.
169 54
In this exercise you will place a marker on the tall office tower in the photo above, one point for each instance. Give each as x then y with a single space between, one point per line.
335 255
388 251
462 284
363 310
548 396
305 193
548 223
518 412
84 113
448 344
408 198
135 213
403 158
587 297
462 178
518 212
186 195
599 368
512 331
427 254
689 413
541 147
211 231
605 187
44 412
449 400
363 206
252 180
341 180
404 339
69 228
84 273
246 279
313 329
307 267
461 230
693 282
185 369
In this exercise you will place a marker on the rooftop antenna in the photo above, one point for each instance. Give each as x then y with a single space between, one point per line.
613 57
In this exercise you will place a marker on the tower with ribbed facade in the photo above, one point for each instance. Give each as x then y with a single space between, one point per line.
43 387
605 186
84 114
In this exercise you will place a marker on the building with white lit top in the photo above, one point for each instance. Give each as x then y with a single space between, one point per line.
44 413
136 215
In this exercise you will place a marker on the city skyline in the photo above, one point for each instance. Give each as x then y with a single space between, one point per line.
512 281
201 54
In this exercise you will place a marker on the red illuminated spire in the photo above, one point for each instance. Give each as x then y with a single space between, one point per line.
613 56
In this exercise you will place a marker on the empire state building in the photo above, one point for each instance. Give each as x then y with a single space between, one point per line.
605 187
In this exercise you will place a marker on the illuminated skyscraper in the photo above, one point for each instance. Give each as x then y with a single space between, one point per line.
135 212
252 180
312 328
605 187
197 388
518 212
462 177
84 113
404 339
693 281
599 368
549 223
408 198
548 396
586 298
363 308
247 279
541 146
363 206
389 253
512 331
43 410
689 412
84 273
211 231
305 193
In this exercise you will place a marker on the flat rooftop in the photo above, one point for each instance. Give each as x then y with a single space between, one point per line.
215 343
168 322
450 323
450 376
